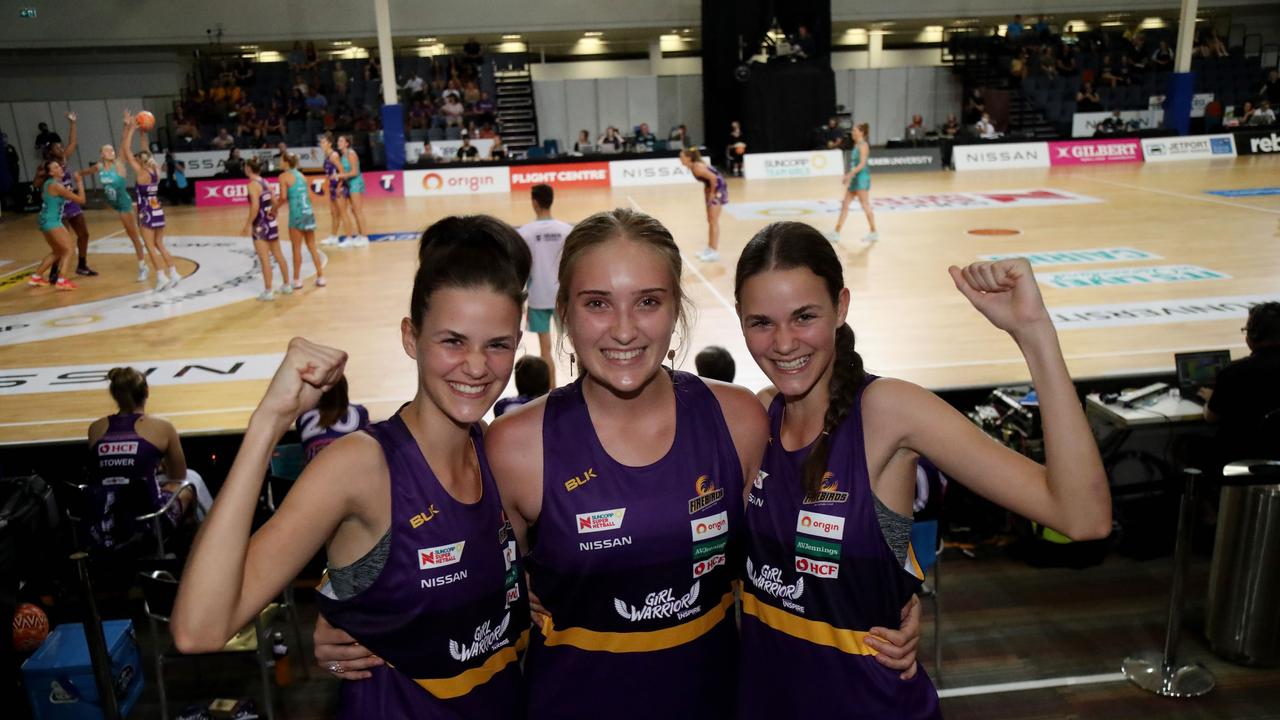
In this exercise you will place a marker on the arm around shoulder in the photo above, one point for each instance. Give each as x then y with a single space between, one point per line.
513 445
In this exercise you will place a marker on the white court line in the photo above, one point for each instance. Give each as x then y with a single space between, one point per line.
1032 685
1184 196
687 263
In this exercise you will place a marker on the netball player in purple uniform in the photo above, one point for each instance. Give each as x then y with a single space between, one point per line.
150 211
829 517
265 232
337 188
423 564
715 191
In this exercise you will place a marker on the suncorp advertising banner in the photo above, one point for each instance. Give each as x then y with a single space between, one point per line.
999 156
463 181
660 171
1094 152
1198 147
813 163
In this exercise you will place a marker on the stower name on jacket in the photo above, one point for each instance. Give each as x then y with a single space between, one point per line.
769 580
485 640
661 604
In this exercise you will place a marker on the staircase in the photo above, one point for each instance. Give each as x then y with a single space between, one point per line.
513 103
970 57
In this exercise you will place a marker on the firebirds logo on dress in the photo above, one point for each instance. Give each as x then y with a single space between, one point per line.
707 494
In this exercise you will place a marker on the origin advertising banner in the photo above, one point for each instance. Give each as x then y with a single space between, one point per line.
463 181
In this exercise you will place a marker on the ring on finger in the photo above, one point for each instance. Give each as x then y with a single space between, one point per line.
336 668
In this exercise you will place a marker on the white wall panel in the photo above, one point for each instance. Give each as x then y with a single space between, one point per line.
642 103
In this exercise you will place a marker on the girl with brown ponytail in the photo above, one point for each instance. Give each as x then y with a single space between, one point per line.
828 520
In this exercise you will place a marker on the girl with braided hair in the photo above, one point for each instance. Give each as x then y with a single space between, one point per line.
829 515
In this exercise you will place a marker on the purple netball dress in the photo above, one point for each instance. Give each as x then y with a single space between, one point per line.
635 566
122 483
819 574
720 192
337 183
71 208
448 611
150 211
264 223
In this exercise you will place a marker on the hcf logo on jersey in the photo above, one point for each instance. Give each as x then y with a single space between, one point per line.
600 520
827 526
440 556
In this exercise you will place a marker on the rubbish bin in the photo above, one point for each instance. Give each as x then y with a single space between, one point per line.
1243 622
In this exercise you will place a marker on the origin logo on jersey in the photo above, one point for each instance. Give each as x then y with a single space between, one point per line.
600 520
827 526
708 494
709 527
430 558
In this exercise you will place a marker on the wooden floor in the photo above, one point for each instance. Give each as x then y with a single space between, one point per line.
911 323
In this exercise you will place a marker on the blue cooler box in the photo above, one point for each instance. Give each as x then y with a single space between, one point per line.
59 677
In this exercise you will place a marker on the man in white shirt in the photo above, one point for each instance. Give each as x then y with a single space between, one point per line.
545 238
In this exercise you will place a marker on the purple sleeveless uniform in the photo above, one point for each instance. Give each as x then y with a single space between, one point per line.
819 574
316 437
449 611
150 211
264 223
719 193
636 566
337 184
122 483
71 208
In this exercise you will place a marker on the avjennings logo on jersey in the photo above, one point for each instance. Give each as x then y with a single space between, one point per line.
661 605
829 493
485 640
600 520
827 526
440 556
708 494
769 580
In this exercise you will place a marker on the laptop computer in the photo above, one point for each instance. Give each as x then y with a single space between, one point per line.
1199 369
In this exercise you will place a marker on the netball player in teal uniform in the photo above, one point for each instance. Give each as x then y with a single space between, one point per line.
355 189
54 196
113 177
295 191
859 181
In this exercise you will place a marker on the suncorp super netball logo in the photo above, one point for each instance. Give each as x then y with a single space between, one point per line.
424 183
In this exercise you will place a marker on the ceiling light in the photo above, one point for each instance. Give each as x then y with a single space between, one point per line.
342 43
592 34
427 39
513 36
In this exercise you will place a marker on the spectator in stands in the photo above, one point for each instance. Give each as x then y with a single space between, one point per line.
1270 90
316 104
985 129
497 151
645 140
344 116
533 380
951 127
313 57
452 110
737 147
1066 64
340 80
974 107
233 166
1087 99
1248 390
1113 124
1243 114
274 125
46 137
833 136
245 75
1019 65
610 140
484 107
1264 115
1129 73
414 86
419 116
471 93
373 69
1211 46
365 121
715 363
1048 62
486 132
679 135
223 141
1041 28
805 43
247 130
452 88
1162 58
297 58
300 85
583 145
1013 31
184 127
297 110
467 152
1107 72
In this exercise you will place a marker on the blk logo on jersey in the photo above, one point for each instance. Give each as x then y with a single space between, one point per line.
829 493
708 494
601 520
484 640
440 556
818 568
827 526
578 481
709 527
661 605
423 518
118 448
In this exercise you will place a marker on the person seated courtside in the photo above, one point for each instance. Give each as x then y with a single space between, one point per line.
1245 400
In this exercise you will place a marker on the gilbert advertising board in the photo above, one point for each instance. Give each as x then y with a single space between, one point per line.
659 171
1197 147
1000 156
206 164
1095 152
221 193
813 163
463 181
569 175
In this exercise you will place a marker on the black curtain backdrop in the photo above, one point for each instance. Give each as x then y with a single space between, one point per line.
724 98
